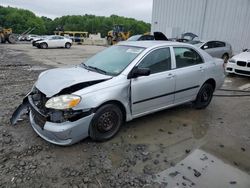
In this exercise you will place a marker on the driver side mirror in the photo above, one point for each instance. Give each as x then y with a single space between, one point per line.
136 72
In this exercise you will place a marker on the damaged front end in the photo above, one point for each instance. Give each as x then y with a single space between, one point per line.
35 102
62 127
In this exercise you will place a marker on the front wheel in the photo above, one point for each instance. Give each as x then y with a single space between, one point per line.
204 96
110 41
67 45
44 45
106 122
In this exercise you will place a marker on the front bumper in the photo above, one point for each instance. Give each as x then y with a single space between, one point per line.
235 69
65 133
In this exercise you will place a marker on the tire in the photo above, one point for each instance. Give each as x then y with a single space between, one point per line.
106 122
12 39
67 45
204 96
44 45
2 39
225 57
110 42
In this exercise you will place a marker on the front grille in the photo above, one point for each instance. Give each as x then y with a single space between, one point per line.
242 72
38 119
241 63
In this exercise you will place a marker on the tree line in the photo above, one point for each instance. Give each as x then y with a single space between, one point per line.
20 20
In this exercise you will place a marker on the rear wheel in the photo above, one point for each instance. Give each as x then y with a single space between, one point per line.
67 45
106 122
204 96
44 45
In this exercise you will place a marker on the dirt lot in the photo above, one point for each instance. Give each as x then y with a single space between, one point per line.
179 147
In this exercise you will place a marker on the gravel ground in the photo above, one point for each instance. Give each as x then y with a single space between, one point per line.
142 149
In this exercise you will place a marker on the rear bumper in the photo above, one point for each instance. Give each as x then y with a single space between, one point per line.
235 69
65 133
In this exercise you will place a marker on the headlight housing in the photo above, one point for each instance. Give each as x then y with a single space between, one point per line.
63 102
231 61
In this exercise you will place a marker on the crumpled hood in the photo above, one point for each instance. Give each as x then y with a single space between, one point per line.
53 81
244 56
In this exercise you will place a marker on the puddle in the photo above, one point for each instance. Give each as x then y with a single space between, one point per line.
245 87
203 170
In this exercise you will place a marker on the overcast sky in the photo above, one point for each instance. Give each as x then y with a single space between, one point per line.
138 9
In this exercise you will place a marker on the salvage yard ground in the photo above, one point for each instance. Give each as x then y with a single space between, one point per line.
179 146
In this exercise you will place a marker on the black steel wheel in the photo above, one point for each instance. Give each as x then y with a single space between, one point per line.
204 96
106 122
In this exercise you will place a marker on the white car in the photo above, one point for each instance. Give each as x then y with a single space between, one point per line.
54 42
239 64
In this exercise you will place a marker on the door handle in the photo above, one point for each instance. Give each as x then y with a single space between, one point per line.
201 69
170 75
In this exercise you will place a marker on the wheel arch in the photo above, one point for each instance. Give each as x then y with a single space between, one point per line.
117 103
212 82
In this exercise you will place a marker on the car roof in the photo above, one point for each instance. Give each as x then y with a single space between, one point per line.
150 44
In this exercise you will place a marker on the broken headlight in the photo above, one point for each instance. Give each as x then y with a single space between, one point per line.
63 102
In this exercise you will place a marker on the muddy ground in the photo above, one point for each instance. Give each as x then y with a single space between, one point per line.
152 151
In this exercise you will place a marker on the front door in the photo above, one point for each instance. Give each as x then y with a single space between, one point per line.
156 91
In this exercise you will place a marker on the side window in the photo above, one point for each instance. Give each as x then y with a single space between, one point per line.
186 57
157 61
219 44
208 45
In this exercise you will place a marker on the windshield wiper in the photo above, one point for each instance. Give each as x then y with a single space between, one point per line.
85 66
97 69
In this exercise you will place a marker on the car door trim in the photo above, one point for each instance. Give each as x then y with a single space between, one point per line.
159 96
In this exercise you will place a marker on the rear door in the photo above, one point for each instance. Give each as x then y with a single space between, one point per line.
149 93
189 73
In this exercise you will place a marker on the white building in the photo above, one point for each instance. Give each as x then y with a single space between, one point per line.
226 20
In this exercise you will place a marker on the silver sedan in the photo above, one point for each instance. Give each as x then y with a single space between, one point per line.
123 82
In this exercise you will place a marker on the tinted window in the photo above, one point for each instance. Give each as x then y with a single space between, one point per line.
214 44
218 44
157 61
147 37
186 57
208 44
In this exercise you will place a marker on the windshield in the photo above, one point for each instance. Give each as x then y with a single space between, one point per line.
113 60
134 38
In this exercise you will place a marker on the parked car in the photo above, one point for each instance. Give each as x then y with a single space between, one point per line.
54 41
239 64
156 36
39 38
121 83
31 37
217 49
